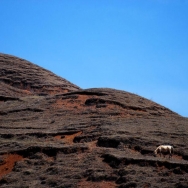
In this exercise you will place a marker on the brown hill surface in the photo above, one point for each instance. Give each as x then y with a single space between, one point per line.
54 134
31 79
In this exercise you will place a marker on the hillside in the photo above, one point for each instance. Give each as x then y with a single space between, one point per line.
55 134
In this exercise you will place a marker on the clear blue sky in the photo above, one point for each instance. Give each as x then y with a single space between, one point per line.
131 45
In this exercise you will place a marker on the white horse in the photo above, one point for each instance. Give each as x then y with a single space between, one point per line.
164 149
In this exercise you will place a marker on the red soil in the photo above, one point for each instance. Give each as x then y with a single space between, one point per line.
8 163
68 138
69 104
103 184
177 157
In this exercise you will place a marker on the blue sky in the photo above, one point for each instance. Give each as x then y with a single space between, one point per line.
136 46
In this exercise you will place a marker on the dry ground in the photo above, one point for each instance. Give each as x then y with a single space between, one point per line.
54 134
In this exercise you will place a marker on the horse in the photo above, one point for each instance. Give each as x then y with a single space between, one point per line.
164 149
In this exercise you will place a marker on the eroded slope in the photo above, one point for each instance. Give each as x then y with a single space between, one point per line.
30 78
88 138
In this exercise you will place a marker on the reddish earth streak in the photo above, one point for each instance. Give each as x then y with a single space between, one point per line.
103 184
68 138
8 163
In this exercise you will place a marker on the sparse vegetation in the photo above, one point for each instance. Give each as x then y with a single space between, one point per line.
54 134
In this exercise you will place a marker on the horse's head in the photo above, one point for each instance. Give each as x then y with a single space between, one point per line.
155 153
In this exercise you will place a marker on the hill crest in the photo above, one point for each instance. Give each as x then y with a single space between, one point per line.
24 75
54 134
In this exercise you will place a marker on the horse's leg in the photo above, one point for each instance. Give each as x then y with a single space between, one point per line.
170 155
163 154
159 152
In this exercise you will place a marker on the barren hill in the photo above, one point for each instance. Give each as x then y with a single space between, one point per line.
55 134
31 79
